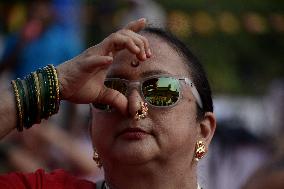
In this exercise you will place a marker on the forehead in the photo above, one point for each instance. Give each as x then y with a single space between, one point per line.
164 60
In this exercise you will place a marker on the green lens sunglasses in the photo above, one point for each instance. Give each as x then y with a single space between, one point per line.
157 91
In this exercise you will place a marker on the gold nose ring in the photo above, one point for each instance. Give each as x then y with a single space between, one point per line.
142 112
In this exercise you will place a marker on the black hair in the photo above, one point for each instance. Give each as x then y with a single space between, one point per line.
196 70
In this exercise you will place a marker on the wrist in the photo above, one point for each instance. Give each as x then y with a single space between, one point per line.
36 96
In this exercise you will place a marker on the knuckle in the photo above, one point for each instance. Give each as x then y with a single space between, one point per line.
101 95
130 25
123 31
113 36
145 41
129 40
140 43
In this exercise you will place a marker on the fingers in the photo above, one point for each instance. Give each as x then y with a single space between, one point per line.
93 62
135 43
136 25
139 41
119 41
114 99
84 63
78 72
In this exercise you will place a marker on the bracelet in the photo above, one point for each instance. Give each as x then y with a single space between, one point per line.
37 96
38 99
19 108
56 88
24 103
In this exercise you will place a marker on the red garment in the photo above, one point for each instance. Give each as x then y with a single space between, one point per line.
58 179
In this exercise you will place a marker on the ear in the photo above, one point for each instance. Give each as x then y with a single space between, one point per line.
207 128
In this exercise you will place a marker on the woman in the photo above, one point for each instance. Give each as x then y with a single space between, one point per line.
151 121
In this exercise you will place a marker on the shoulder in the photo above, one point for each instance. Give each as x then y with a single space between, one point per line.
57 179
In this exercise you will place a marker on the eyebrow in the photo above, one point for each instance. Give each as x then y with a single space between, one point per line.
153 72
143 74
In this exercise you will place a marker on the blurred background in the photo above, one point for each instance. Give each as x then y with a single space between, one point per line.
240 43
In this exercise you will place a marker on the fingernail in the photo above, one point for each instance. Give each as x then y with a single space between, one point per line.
109 59
142 19
149 52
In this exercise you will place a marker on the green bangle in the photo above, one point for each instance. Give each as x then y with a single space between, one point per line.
31 99
38 100
45 92
37 96
41 86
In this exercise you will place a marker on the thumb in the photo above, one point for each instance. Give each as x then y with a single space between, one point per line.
113 98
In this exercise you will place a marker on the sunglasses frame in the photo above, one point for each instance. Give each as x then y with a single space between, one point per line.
138 85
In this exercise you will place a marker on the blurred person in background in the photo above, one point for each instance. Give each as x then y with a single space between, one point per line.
271 174
248 143
40 41
235 154
268 176
149 9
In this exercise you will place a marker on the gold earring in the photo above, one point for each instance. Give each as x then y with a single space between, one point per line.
200 150
97 159
142 112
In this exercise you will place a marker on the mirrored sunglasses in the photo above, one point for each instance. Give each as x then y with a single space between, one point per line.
157 91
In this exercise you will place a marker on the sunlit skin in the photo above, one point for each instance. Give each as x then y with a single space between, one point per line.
170 133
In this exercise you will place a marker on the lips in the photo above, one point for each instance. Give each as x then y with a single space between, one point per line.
133 133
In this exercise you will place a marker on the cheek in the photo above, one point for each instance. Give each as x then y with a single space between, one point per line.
102 128
178 130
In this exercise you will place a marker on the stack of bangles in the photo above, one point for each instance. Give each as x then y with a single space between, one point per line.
37 96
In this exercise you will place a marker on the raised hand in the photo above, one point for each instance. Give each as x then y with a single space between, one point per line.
82 78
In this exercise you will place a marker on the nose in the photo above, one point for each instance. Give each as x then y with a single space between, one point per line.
134 102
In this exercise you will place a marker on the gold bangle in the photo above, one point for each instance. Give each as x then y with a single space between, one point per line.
56 87
19 107
37 89
51 93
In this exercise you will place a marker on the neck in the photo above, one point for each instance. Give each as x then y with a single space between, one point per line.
152 175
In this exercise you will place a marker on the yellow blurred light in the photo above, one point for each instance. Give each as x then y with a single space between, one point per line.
179 24
203 23
17 17
255 23
228 23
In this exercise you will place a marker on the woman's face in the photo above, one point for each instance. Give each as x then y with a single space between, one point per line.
169 133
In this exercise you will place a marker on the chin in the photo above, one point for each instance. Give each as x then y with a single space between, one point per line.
135 153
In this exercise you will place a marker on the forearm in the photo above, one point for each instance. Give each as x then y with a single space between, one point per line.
79 80
8 114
